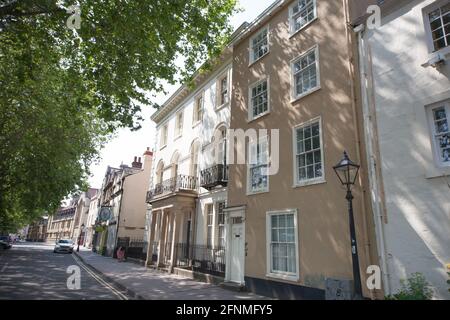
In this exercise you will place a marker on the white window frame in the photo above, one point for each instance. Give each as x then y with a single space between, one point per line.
219 104
436 148
426 18
179 124
250 102
250 45
220 225
250 166
292 30
195 109
164 131
279 274
307 182
209 226
294 94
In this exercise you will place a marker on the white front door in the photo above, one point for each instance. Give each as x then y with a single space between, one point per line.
237 253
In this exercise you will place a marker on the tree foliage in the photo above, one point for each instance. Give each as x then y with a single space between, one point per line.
63 92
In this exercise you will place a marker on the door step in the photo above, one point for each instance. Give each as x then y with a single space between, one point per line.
161 269
164 269
232 286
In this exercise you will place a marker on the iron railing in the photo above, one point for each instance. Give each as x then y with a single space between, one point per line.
167 253
205 259
134 248
214 176
175 184
154 251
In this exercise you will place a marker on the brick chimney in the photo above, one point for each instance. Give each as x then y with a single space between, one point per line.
148 152
148 156
137 164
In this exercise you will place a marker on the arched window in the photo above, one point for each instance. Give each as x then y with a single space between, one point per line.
175 163
220 145
195 150
159 172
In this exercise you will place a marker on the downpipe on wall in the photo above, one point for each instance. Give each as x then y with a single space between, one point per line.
373 179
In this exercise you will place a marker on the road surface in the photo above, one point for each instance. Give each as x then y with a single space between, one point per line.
31 271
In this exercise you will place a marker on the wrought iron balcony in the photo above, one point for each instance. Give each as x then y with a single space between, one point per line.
173 185
214 176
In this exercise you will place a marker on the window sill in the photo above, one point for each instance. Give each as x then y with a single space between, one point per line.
280 276
293 34
195 124
443 51
433 57
258 117
260 58
255 193
309 183
164 146
222 106
438 172
177 137
294 100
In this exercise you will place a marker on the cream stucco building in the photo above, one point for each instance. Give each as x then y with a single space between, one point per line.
188 186
122 206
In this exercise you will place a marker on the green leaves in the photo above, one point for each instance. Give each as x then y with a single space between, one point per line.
415 287
64 92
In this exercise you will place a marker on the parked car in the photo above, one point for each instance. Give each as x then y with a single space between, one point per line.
5 242
63 245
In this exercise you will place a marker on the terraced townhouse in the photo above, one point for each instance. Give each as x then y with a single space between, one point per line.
121 215
293 71
187 193
285 234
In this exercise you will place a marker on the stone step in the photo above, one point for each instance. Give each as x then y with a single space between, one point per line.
232 286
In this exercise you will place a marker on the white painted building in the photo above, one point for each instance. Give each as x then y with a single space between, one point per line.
81 216
405 79
188 185
91 219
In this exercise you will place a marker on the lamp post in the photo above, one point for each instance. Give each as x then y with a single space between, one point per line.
347 172
79 237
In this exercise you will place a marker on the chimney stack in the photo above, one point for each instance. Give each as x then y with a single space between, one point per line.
137 164
148 152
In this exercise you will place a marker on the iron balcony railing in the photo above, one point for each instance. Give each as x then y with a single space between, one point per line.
214 176
172 185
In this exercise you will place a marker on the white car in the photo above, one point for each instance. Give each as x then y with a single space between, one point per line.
63 245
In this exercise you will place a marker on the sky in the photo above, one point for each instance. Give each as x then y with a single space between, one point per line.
127 144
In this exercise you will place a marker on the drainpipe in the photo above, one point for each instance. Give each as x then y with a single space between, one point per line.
373 178
356 125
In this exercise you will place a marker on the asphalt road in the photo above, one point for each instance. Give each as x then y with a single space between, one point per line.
30 271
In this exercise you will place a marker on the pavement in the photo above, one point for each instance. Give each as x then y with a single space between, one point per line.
149 284
31 271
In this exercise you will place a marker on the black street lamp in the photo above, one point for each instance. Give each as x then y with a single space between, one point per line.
79 237
347 172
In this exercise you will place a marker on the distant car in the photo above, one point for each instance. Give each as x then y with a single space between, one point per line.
5 242
63 245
